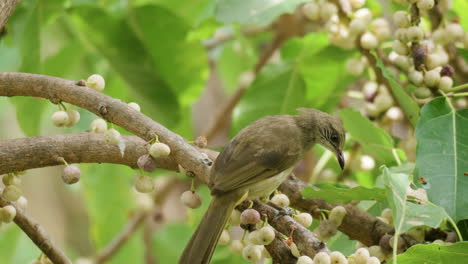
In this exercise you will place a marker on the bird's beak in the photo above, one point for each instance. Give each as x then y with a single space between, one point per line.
340 157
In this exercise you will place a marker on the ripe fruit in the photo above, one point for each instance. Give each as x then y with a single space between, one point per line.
112 136
159 149
252 253
236 246
224 238
445 83
305 219
304 260
71 174
281 200
144 184
60 118
98 126
401 19
266 235
73 117
322 258
11 193
191 199
146 163
96 82
336 215
311 10
337 257
7 213
134 106
369 41
249 216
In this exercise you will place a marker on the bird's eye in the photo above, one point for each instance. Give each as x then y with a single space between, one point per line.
334 138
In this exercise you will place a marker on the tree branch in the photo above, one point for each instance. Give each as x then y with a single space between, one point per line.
113 110
38 235
6 9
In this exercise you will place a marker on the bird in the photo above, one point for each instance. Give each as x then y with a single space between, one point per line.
254 163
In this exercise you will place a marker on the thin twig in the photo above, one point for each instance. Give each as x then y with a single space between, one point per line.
118 241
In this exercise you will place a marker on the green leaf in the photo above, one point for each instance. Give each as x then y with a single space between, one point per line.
442 155
257 12
190 11
9 237
181 63
435 254
407 104
460 6
115 40
29 114
277 90
107 191
374 140
342 194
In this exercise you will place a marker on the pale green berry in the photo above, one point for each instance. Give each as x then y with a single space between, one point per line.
98 126
422 92
252 253
454 31
112 136
376 251
369 41
337 258
22 203
416 77
7 213
357 26
158 150
311 10
363 13
234 219
266 235
236 246
357 3
281 200
71 174
304 260
144 184
322 258
60 118
191 199
362 255
401 19
355 66
445 83
400 47
337 215
402 35
265 253
373 260
328 10
73 117
134 106
305 219
425 5
96 82
225 238
294 250
432 78
402 62
11 193
414 33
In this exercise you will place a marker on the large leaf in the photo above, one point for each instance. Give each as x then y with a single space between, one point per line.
442 155
115 40
258 12
407 104
436 254
9 237
374 140
107 191
181 63
277 90
341 194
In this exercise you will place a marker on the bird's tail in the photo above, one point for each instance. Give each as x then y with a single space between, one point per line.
201 246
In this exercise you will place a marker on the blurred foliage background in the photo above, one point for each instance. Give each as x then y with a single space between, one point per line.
157 53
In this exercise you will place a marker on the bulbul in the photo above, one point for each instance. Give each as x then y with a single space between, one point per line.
256 161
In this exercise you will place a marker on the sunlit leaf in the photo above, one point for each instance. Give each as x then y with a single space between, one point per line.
435 254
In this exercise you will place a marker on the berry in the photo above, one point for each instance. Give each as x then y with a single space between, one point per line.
294 250
357 3
304 260
322 258
266 235
22 203
7 213
419 54
98 126
96 82
252 253
416 77
355 66
367 163
112 136
60 118
402 62
401 19
373 260
146 163
414 33
453 32
425 5
249 217
144 184
337 258
357 26
432 78
383 102
402 34
325 230
447 70
73 117
328 10
379 23
134 106
422 92
246 79
394 113
362 255
400 47
11 179
159 149
363 13
305 219
236 246
439 36
224 238
370 90
337 214
445 83
281 200
71 174
369 41
191 199
376 251
234 219
11 193
311 10
384 243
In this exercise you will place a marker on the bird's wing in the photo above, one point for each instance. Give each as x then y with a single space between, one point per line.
244 163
